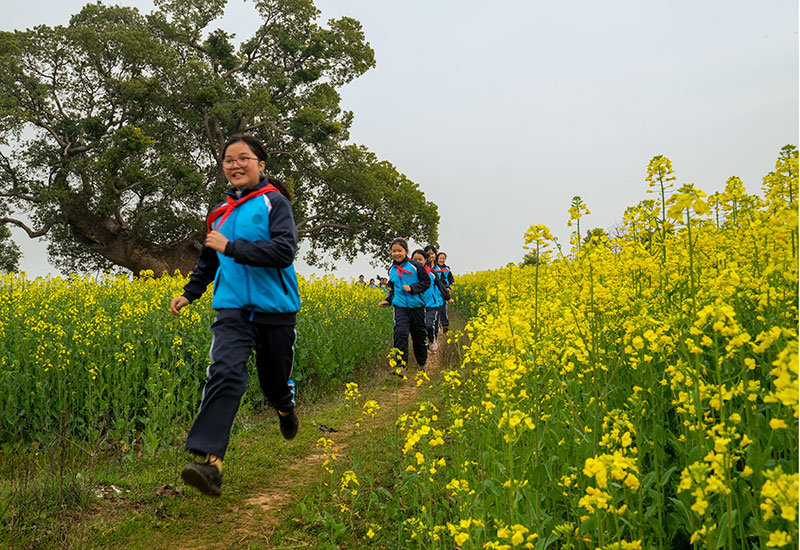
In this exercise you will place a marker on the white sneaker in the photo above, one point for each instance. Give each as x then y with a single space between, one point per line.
433 346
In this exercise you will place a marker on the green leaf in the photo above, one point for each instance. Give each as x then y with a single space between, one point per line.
665 477
726 523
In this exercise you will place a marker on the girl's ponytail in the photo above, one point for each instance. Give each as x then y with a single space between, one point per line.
281 187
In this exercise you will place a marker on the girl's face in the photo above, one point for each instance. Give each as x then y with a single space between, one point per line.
399 253
418 258
241 166
431 256
441 259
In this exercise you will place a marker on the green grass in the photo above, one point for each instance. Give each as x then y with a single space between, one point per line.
50 500
317 520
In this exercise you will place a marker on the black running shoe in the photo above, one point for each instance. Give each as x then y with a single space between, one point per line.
289 423
205 477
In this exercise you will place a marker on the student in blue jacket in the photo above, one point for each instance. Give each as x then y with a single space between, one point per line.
443 270
248 254
444 273
435 297
408 280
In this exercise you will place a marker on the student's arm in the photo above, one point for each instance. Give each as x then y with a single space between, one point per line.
280 249
390 295
450 279
202 275
442 288
424 281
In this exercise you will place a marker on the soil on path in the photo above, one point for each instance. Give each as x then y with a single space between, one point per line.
255 520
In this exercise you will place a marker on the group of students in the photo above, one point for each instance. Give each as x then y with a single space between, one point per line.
419 291
248 254
382 282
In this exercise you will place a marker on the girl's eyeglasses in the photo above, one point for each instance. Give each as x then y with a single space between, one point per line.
242 161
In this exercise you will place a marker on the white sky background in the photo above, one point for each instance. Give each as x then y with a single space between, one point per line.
502 112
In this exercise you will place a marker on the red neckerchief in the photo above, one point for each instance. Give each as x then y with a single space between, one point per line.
400 270
226 209
428 268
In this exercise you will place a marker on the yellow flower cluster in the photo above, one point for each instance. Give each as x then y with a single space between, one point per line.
102 355
460 531
371 408
514 536
638 389
327 452
779 495
655 359
349 483
785 379
352 395
618 465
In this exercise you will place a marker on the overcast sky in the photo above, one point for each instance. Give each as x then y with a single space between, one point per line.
503 111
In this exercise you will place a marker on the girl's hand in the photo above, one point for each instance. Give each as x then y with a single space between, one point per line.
407 288
177 304
451 301
216 241
384 303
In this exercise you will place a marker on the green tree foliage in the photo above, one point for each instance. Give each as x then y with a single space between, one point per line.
9 251
111 131
531 259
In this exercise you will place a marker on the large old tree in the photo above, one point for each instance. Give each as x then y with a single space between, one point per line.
111 131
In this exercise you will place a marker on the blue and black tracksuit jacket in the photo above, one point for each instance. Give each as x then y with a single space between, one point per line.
255 273
444 274
438 293
407 272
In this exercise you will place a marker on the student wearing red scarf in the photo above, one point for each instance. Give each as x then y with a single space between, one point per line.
408 281
248 254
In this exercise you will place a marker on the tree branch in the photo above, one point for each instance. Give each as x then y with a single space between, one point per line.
220 135
320 227
118 217
72 151
22 196
119 192
308 220
31 233
289 153
15 181
42 124
271 124
262 33
250 58
207 127
54 79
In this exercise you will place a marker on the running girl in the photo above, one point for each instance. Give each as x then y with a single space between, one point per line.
435 298
248 254
430 255
408 280
444 273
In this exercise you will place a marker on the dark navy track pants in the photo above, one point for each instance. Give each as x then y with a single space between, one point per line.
443 319
432 322
234 338
410 320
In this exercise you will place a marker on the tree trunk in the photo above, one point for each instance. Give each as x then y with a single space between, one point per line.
160 260
106 237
